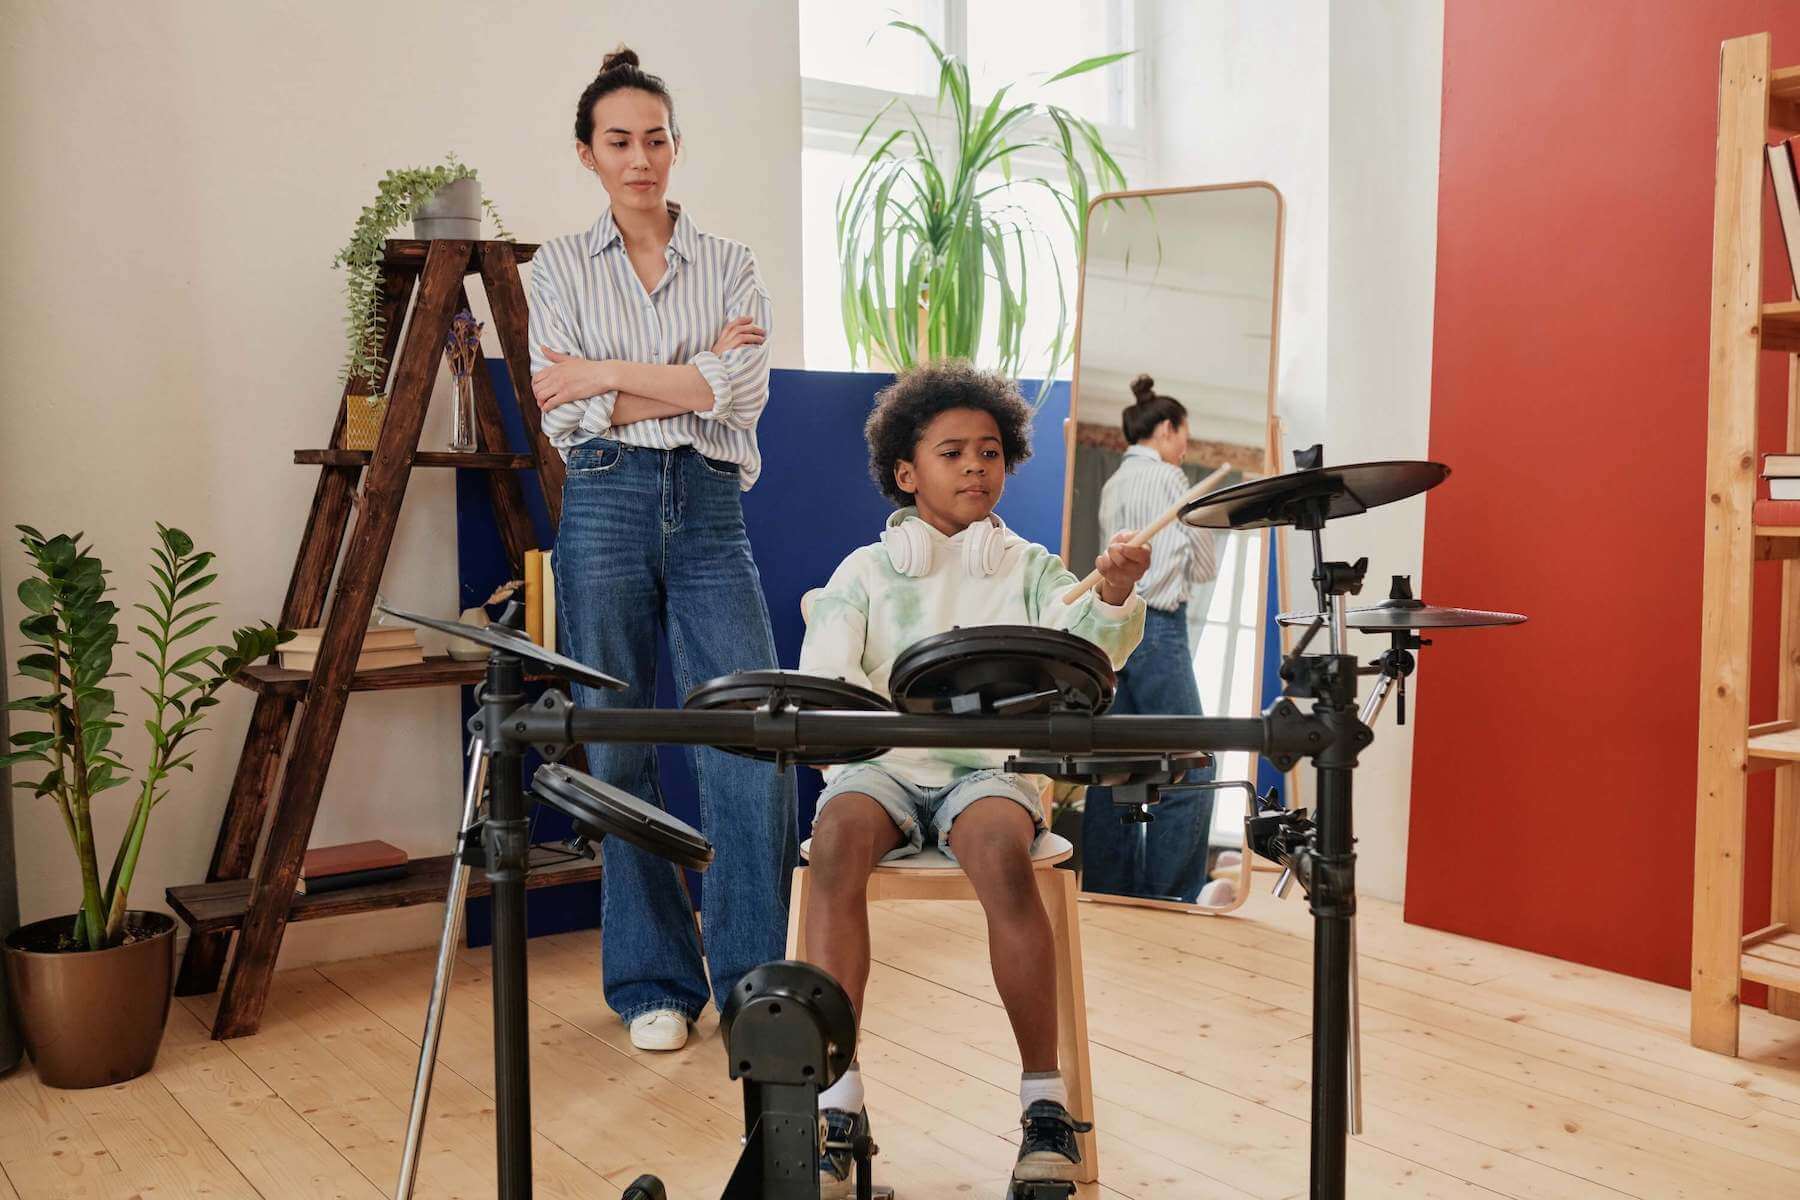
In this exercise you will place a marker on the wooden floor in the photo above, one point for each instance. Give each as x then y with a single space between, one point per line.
1489 1073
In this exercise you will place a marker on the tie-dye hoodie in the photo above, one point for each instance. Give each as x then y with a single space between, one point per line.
862 620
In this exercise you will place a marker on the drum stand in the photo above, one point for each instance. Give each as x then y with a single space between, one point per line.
1321 854
440 984
789 1027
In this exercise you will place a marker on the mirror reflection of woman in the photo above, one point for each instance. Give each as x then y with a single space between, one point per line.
649 363
1158 678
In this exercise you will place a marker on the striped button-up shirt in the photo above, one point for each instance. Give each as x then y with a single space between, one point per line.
1181 556
587 301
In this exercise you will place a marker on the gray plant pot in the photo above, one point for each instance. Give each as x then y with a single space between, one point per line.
454 211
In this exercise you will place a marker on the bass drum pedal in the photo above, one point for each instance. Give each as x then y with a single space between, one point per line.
1038 1189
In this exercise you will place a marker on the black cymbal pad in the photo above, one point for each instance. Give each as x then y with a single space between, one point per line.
1342 491
499 637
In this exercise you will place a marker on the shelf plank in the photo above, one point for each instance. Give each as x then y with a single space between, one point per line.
408 254
1774 745
1784 98
420 458
210 907
436 671
1775 963
1780 326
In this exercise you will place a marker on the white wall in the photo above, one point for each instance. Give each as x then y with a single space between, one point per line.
180 177
1386 107
1338 106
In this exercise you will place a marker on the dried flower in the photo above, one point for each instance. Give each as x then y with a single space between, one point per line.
463 346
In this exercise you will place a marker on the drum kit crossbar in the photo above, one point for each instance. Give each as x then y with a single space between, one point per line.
1040 694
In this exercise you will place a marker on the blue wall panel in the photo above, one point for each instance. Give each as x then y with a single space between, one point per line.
813 505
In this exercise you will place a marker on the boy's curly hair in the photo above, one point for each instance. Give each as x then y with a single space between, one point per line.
905 407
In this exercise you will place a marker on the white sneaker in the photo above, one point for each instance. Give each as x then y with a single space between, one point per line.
1220 893
664 1029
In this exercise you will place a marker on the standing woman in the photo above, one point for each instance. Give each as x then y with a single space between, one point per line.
1158 678
649 363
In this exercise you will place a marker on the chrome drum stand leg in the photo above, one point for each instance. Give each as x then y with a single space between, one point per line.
440 984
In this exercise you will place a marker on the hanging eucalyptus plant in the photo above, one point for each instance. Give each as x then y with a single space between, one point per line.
70 638
397 197
926 237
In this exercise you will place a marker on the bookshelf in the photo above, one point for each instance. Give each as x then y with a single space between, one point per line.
1753 99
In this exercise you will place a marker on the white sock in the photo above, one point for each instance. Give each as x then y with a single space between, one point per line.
1042 1085
846 1094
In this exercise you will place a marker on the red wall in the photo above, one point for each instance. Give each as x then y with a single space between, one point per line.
1554 769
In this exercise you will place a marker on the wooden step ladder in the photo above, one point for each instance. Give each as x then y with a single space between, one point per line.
428 277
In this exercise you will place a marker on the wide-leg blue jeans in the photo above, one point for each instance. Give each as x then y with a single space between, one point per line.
652 543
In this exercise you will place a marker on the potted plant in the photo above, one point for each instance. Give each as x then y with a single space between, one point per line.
926 236
91 989
444 201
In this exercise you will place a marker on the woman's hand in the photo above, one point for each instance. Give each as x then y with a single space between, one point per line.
739 331
568 379
1121 567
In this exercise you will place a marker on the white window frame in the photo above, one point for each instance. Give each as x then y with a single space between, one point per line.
834 114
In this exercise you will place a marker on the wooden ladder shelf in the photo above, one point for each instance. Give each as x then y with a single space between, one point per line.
1752 98
258 904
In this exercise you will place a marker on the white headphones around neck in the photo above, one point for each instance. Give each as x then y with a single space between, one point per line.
908 542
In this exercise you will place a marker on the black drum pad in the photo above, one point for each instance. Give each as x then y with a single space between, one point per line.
600 810
1003 670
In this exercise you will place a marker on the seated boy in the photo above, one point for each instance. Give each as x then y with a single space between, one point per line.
941 442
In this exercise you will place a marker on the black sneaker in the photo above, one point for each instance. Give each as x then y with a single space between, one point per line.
1048 1152
838 1134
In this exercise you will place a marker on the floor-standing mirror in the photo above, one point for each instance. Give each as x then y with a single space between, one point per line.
1180 292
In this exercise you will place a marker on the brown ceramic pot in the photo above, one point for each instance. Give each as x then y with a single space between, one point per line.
91 1017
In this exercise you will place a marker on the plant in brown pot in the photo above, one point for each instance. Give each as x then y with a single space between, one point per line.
91 989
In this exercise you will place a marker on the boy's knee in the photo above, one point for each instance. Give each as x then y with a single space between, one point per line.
846 840
995 852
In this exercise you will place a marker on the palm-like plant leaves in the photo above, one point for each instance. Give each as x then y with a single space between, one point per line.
925 246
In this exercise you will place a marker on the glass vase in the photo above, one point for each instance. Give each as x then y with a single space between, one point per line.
462 421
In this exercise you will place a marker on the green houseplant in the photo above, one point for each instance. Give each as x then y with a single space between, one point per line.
92 1030
926 238
398 198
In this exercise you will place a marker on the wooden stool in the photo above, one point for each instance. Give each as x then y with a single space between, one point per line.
930 875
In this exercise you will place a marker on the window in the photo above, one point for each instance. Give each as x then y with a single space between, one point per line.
1224 645
853 65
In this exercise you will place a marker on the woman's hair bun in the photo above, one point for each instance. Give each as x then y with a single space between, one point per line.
624 56
1143 387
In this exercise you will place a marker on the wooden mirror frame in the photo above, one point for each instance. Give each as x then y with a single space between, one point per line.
1271 465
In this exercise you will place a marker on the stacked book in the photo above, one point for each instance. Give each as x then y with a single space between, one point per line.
353 864
540 598
1782 507
382 646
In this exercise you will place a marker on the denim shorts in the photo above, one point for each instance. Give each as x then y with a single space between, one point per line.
915 809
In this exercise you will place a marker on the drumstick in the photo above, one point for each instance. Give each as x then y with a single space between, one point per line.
1142 537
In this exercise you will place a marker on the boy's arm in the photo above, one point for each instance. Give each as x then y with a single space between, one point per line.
837 625
1115 628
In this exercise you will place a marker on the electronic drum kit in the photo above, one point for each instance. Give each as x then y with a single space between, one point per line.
1043 694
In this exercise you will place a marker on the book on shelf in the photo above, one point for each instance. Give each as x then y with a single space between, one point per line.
320 861
534 595
347 879
1785 513
377 637
368 660
1786 182
1784 487
548 593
